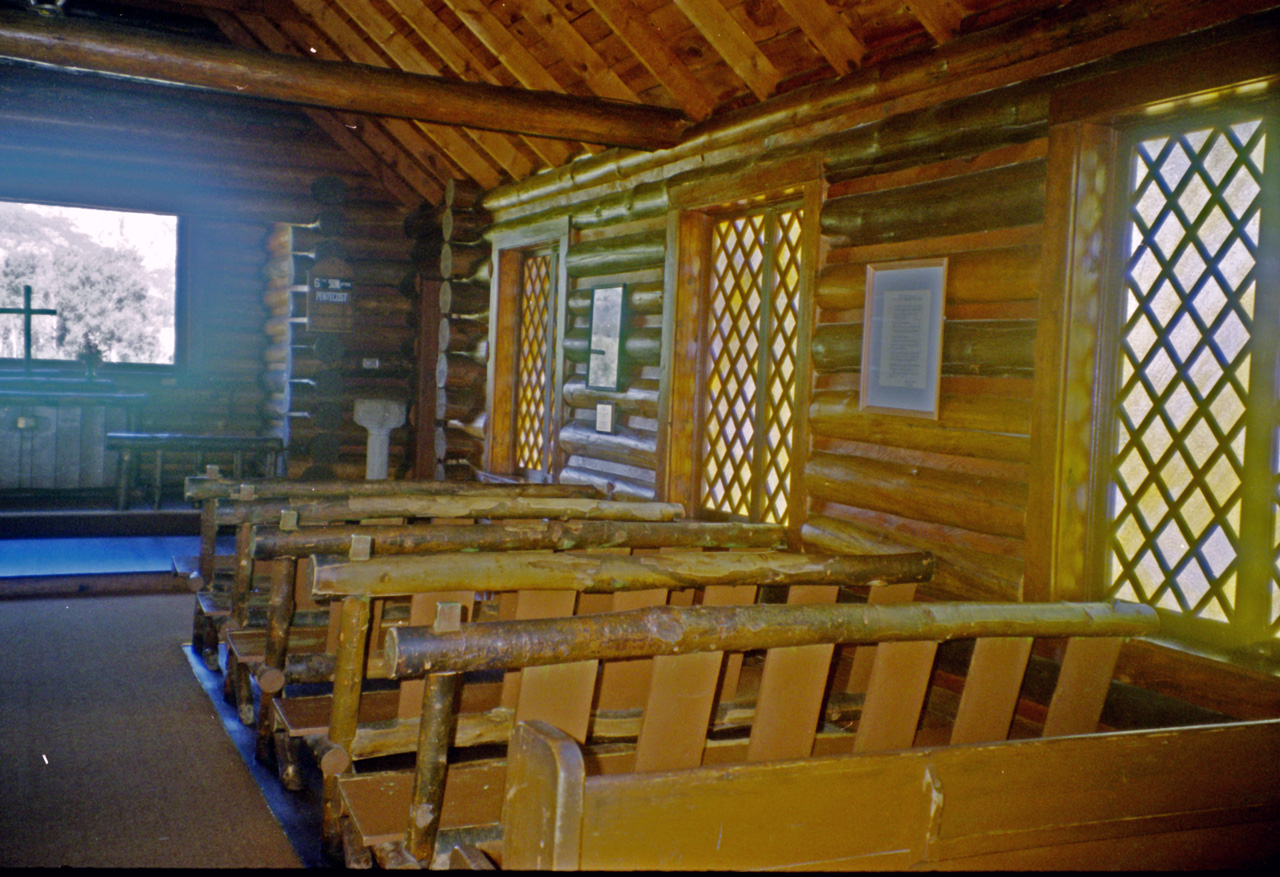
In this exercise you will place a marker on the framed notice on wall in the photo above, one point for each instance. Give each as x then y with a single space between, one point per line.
902 337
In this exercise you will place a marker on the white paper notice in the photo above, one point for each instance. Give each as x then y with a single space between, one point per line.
904 343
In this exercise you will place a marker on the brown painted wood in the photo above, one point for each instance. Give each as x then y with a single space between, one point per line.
991 689
792 686
895 695
1087 666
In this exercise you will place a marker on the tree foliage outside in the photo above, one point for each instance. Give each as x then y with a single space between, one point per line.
104 293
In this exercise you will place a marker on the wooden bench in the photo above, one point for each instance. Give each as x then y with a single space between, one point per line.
290 720
131 446
214 492
798 791
248 648
545 585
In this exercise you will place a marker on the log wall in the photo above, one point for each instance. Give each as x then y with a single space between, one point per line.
236 172
961 176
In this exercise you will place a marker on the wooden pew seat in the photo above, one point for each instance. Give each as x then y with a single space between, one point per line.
679 724
132 445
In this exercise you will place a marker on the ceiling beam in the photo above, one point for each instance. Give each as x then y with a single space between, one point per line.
117 51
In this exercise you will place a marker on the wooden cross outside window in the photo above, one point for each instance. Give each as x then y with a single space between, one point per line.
27 312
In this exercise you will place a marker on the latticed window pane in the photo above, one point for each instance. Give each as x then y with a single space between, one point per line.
1185 351
533 363
751 341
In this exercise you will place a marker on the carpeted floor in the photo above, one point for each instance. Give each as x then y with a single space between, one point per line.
111 752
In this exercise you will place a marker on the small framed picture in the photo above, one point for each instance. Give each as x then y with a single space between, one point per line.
605 416
902 338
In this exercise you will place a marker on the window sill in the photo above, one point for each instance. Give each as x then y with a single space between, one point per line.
1244 685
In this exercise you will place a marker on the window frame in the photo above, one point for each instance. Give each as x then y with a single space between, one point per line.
509 251
1251 613
797 183
1083 228
181 305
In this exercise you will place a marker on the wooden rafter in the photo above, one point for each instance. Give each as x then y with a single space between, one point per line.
396 173
825 29
446 140
495 146
509 51
467 66
727 37
130 53
629 23
941 18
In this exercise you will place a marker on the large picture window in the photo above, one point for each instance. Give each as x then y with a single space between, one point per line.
1192 521
98 280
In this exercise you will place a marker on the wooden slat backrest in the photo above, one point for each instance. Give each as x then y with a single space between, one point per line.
889 717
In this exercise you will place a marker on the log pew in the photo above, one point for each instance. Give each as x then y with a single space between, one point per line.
284 722
556 585
248 649
212 492
857 797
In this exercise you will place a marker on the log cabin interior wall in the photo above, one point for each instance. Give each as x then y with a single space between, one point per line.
243 176
961 172
973 144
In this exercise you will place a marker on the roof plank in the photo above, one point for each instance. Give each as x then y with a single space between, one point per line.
647 44
727 37
828 32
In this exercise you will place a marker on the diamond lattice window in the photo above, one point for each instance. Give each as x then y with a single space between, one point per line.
533 363
750 381
1183 464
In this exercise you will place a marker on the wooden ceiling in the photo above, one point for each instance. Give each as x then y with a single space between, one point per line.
629 73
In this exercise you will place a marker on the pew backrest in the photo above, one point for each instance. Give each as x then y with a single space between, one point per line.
891 710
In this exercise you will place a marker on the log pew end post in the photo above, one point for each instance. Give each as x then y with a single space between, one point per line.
435 731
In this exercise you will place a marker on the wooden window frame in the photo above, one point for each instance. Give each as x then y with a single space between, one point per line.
1067 522
694 207
508 252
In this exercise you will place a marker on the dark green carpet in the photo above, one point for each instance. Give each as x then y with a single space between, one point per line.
111 753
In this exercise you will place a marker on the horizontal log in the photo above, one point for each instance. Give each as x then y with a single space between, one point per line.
464 297
838 413
957 128
669 630
605 573
464 194
609 483
642 401
969 347
640 298
199 488
639 346
1007 274
341 86
459 225
268 542
624 446
495 504
464 260
616 255
835 536
985 505
835 414
998 198
463 334
459 370
643 201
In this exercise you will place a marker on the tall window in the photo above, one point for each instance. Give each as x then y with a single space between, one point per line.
750 341
1192 517
534 350
98 279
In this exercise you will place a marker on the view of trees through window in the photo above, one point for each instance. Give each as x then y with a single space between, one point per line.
110 276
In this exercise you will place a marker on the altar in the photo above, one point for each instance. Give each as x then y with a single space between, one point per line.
53 431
